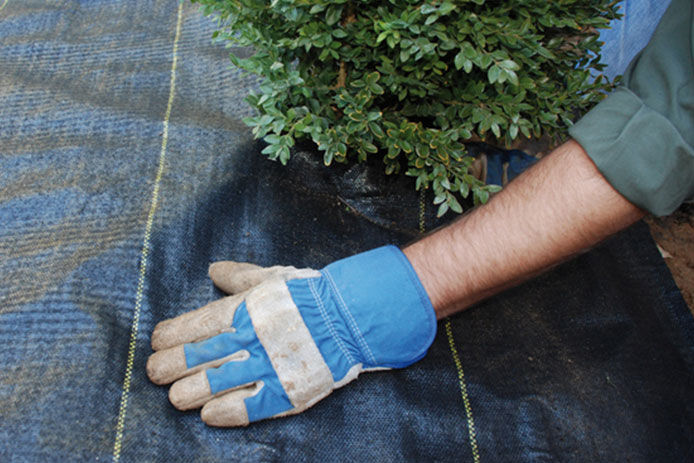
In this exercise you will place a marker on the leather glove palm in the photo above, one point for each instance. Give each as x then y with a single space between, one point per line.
286 338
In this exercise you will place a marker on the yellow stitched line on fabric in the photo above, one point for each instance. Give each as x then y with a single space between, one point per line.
422 211
3 5
454 352
145 249
463 391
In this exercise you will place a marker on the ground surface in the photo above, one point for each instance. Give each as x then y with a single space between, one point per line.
675 237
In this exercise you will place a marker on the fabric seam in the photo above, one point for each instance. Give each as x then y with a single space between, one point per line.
331 329
350 318
142 272
472 433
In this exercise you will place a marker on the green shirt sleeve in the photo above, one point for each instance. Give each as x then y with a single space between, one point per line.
641 137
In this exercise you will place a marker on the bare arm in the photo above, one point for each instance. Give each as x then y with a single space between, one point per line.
557 209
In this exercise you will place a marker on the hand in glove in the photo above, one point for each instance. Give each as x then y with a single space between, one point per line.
286 337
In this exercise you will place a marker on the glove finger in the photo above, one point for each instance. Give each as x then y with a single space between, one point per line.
235 277
168 365
190 392
229 409
195 390
243 406
207 321
216 347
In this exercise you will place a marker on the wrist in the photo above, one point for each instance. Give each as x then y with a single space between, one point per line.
382 301
446 296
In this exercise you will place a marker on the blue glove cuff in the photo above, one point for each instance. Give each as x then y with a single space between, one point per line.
384 305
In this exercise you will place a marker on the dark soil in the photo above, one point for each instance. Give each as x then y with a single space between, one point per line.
674 235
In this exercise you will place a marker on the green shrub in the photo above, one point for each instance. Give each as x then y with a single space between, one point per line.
413 81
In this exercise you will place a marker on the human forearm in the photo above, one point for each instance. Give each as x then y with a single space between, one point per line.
557 209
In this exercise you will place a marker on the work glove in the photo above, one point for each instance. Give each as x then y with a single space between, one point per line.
286 338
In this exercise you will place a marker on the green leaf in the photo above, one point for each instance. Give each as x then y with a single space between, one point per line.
265 120
481 195
373 77
479 114
328 157
496 130
467 66
469 51
464 189
358 83
446 8
422 150
509 65
284 155
493 74
511 76
270 149
376 129
333 15
427 8
272 138
443 208
525 130
370 147
373 116
513 131
459 60
485 61
454 204
250 121
546 53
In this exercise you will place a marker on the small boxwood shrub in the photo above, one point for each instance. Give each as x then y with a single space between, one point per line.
413 81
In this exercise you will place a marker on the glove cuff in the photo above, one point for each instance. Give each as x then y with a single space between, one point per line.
384 306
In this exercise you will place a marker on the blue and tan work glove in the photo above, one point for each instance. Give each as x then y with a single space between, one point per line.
287 338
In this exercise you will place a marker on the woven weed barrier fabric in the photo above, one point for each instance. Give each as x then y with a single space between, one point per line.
125 170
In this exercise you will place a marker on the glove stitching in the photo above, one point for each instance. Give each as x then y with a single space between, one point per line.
350 318
331 328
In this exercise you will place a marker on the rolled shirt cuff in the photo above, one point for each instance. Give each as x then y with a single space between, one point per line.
639 151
